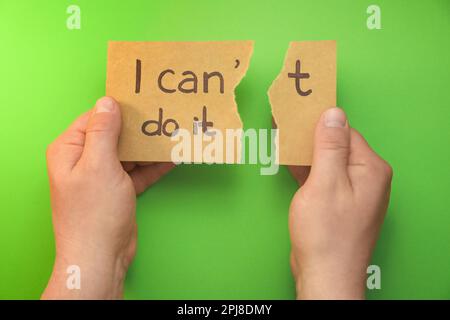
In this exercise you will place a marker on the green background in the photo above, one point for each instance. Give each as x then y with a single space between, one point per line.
221 231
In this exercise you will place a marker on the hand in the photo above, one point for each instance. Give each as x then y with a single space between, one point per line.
335 217
93 199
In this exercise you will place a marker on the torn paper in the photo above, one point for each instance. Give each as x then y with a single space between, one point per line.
163 87
304 89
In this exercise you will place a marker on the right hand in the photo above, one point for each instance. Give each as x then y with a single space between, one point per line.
336 215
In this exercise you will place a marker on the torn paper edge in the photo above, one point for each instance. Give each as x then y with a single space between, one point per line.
269 95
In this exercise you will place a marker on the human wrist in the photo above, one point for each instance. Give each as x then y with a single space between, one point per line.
333 283
100 276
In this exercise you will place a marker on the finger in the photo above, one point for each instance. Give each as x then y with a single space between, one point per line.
331 145
128 165
365 162
300 173
145 176
66 150
360 151
144 163
102 133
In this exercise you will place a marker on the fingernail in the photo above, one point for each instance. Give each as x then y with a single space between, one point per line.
105 104
335 118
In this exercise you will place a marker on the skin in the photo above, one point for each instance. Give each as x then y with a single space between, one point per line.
93 197
334 218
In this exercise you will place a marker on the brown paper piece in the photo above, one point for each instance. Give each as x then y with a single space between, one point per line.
148 78
296 107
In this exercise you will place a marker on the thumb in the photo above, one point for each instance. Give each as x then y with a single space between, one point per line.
102 132
331 145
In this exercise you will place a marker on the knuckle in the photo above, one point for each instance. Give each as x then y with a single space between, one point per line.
52 153
101 123
387 170
335 140
73 137
334 145
380 169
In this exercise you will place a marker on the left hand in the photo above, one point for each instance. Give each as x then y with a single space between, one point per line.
93 197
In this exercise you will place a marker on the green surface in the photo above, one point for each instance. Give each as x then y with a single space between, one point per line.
221 231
